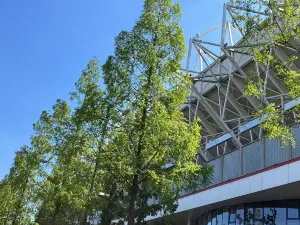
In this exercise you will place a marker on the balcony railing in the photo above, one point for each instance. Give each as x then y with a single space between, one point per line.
253 157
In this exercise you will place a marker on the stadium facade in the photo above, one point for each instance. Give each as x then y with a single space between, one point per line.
255 181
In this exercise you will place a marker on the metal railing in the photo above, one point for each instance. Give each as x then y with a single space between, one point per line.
258 155
253 157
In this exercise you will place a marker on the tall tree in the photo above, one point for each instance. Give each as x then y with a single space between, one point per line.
62 186
151 150
17 189
96 112
124 151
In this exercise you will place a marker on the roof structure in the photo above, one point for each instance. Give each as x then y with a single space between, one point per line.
219 72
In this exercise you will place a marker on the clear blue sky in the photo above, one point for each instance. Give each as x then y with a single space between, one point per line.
44 46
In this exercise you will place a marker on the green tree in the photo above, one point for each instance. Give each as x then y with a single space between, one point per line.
62 185
17 189
151 150
64 192
96 112
268 26
125 150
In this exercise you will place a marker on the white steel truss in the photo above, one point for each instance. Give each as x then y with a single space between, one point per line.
219 72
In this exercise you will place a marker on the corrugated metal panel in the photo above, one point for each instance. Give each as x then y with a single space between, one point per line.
252 157
231 165
296 151
274 153
216 176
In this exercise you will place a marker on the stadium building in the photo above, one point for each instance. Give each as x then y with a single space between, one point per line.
255 181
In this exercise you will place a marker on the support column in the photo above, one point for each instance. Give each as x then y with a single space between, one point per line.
217 118
233 102
289 151
222 168
263 152
241 172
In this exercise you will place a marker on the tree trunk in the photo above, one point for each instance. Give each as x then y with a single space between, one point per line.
106 216
109 210
132 202
56 211
135 182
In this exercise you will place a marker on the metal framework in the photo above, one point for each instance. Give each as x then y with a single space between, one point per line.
219 72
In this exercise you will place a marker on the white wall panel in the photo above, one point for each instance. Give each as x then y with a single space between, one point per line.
244 186
264 180
294 172
281 175
255 183
267 179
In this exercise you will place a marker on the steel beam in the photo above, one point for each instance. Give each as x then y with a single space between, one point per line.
204 122
216 117
283 57
242 72
241 86
271 76
233 102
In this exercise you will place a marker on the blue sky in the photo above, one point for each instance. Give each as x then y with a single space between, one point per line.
44 46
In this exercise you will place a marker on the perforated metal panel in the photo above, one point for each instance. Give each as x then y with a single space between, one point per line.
216 176
274 153
252 157
231 165
296 134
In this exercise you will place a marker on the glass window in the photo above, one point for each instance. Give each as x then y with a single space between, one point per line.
258 212
293 210
269 214
280 216
209 219
248 215
225 216
232 216
293 222
219 217
240 215
293 213
285 212
214 218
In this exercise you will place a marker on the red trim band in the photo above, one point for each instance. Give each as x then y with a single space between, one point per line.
242 177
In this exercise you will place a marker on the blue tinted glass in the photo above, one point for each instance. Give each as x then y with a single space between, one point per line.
293 210
214 218
232 217
219 217
248 215
293 213
280 216
209 219
225 216
293 222
240 215
258 214
269 215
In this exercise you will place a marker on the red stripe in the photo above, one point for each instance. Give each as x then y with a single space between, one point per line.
242 177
